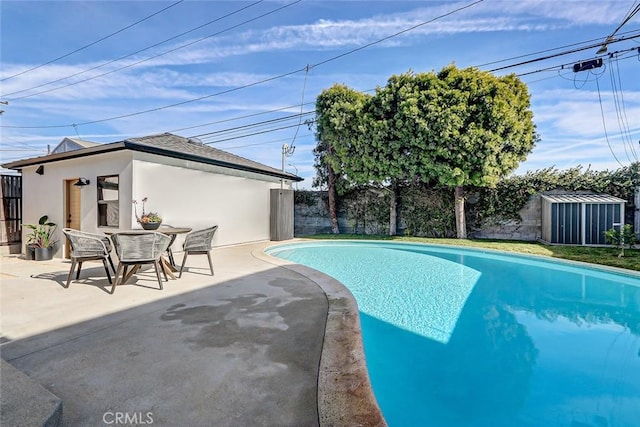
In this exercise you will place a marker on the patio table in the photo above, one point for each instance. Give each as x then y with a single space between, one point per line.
168 265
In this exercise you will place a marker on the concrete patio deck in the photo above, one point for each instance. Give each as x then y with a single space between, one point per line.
263 342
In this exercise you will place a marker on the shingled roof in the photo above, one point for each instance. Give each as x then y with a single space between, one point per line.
169 145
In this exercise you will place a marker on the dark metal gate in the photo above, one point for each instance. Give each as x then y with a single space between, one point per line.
11 209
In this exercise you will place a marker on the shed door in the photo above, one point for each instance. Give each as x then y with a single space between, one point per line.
600 218
566 223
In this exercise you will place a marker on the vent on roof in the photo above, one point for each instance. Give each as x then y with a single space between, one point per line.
196 141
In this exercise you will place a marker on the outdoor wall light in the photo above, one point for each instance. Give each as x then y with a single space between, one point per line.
40 170
82 182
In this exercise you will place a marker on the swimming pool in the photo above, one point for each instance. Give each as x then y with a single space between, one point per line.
463 337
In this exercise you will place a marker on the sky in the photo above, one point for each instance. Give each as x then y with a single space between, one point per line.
243 76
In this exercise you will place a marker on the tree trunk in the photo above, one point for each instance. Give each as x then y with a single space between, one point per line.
461 225
333 210
393 211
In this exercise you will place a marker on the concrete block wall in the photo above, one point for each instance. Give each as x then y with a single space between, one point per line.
311 216
528 229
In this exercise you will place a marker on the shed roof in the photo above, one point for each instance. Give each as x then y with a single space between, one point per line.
165 144
582 198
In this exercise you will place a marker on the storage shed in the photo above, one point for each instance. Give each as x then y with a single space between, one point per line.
579 219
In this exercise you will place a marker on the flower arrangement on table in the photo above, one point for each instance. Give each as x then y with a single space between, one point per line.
148 220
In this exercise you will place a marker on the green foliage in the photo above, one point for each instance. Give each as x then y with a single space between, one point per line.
366 210
458 127
337 115
489 127
427 212
42 234
511 194
302 197
621 238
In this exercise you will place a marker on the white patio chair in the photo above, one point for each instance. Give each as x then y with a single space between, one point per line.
85 247
136 249
198 242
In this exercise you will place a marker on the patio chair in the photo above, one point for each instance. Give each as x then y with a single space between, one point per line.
198 242
136 249
85 247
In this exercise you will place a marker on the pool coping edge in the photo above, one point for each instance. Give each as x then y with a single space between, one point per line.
345 395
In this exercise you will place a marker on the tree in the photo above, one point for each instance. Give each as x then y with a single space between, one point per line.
456 127
622 237
387 151
337 115
485 130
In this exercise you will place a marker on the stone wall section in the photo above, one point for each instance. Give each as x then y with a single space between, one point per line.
311 216
528 229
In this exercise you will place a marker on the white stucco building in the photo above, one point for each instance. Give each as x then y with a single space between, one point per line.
189 184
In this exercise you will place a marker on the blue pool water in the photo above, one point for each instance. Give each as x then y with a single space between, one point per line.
457 337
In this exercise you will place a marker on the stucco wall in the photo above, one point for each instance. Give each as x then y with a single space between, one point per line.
188 194
184 193
45 194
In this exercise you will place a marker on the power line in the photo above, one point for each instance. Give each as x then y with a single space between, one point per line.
632 12
307 67
276 129
145 49
546 50
398 33
569 64
93 43
556 67
257 133
621 112
247 126
238 118
604 125
265 142
567 52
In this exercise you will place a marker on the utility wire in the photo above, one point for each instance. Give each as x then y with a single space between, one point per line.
632 12
621 112
142 50
266 142
304 86
559 68
164 107
93 43
238 118
256 133
546 50
398 33
272 130
280 119
245 127
306 68
570 64
604 125
555 55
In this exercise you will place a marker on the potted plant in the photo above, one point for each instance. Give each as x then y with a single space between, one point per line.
41 239
148 220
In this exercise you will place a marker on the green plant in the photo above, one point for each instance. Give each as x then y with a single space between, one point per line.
146 217
622 237
42 234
